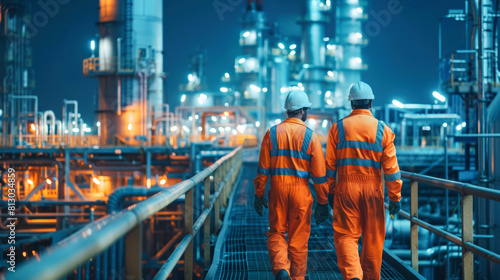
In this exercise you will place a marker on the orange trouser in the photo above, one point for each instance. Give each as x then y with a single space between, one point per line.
290 208
359 209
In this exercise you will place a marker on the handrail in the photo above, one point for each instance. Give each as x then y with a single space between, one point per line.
96 237
466 200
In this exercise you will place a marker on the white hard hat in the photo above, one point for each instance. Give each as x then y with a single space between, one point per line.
360 91
296 100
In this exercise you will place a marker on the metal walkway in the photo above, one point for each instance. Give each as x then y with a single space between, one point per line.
241 251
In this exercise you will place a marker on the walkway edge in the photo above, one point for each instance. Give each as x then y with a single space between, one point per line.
222 235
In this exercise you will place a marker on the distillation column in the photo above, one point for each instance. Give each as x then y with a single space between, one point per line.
313 21
129 68
16 72
350 16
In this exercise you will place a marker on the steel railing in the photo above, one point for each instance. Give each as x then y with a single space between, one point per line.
466 242
95 238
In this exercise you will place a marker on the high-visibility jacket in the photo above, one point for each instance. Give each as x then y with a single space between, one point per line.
363 149
358 147
292 153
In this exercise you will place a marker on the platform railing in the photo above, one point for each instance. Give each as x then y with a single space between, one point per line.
76 251
466 242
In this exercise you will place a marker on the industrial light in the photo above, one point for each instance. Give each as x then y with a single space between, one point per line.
190 118
445 124
292 53
330 73
359 10
32 127
173 128
330 47
221 129
24 254
257 124
87 129
254 87
234 132
325 122
196 117
213 130
438 96
264 89
226 113
29 182
95 180
326 39
241 128
223 89
92 45
281 46
214 118
459 127
359 35
183 98
426 128
397 103
464 124
76 130
163 181
241 60
98 124
358 60
223 118
226 75
199 128
328 93
48 181
226 104
293 46
228 128
246 34
191 78
329 102
186 129
129 126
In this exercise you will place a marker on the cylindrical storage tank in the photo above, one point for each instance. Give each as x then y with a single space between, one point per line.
130 67
313 50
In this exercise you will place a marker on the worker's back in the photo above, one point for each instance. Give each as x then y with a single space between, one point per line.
290 142
359 139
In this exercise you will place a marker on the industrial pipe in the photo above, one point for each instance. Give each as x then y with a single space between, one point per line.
116 198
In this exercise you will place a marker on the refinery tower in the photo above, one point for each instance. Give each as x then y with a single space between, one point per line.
128 61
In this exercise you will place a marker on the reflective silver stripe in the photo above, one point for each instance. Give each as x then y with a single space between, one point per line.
319 180
263 171
331 173
392 177
359 162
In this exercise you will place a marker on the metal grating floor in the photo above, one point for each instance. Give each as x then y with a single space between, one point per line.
244 250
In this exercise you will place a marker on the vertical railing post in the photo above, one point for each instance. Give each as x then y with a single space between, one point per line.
133 253
206 233
414 226
467 236
188 255
217 202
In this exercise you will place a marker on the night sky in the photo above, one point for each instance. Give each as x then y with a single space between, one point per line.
402 56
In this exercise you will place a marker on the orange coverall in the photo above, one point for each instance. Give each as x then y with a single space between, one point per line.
358 146
290 153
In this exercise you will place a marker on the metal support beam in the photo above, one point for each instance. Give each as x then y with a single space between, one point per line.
206 233
133 253
217 203
414 226
467 236
188 255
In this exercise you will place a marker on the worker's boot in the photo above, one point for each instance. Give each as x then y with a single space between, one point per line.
282 275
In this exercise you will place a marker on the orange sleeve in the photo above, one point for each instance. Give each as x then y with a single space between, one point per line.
318 170
392 174
264 168
331 159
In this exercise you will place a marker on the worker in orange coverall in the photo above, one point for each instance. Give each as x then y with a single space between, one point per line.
358 147
291 153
